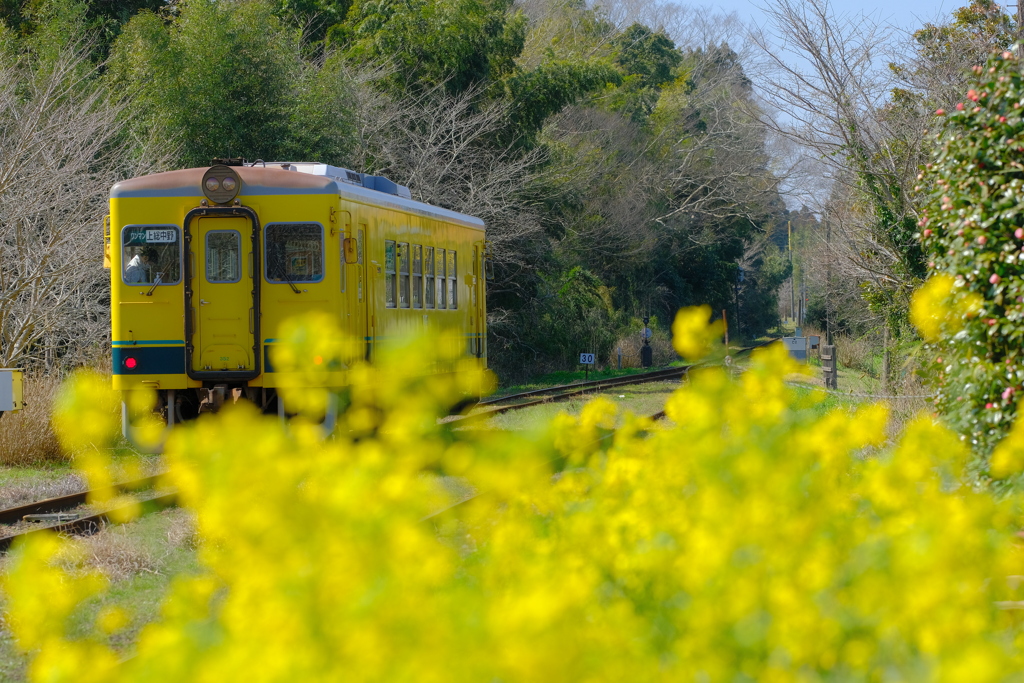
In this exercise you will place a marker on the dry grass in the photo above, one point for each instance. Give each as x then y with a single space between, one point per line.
631 345
859 353
26 436
182 532
116 553
909 397
119 552
37 488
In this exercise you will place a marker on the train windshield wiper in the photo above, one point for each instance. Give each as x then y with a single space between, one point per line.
159 278
282 276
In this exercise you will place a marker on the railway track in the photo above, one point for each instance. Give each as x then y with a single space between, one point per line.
565 391
574 390
54 517
55 510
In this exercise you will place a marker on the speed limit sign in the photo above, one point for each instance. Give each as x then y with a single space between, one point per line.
586 359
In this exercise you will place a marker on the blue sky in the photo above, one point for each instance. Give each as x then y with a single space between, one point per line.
907 14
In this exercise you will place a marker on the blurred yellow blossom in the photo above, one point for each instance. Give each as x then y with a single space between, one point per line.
939 307
755 536
693 335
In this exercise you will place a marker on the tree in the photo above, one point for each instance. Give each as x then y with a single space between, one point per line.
61 149
837 106
214 80
455 43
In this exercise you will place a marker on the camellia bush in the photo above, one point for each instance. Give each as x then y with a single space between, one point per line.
973 229
753 536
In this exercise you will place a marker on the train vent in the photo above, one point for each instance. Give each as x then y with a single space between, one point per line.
382 184
370 182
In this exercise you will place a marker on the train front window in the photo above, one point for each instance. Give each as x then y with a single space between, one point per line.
223 256
294 252
151 254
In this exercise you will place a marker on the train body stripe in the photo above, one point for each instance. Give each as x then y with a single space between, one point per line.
148 342
150 360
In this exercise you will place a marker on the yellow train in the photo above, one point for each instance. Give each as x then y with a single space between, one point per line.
206 264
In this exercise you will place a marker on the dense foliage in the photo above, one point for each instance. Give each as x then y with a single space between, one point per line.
972 229
606 160
774 550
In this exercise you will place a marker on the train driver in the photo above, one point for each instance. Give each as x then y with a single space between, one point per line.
138 270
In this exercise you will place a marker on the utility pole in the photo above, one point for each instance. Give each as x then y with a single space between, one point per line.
828 283
792 280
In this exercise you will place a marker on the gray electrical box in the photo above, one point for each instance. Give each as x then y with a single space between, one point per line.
12 392
797 347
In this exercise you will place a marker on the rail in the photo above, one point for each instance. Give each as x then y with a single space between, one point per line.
86 523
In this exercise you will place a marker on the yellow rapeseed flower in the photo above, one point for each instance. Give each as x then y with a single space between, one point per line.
752 536
693 335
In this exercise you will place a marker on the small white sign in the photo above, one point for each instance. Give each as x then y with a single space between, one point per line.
586 359
795 343
161 236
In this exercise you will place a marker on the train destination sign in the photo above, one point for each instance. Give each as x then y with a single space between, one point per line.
138 236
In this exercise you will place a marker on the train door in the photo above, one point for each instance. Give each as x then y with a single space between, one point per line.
358 286
476 306
222 297
353 259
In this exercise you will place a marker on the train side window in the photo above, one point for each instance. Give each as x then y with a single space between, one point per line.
294 252
403 275
359 259
442 298
151 254
223 256
389 273
428 268
453 281
417 276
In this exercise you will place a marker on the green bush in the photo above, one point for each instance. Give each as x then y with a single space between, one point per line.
972 228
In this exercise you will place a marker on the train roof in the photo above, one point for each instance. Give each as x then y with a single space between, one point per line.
293 178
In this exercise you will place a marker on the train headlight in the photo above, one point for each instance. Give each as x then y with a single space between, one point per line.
221 184
130 363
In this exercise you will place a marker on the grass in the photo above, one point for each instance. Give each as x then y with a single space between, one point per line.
26 436
140 558
641 399
570 376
